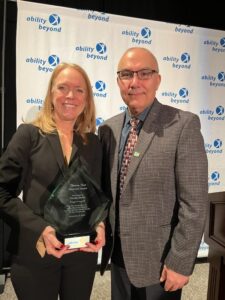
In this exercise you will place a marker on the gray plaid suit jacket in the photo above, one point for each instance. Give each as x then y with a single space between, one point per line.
163 206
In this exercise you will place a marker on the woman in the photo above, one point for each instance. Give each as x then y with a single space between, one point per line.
38 154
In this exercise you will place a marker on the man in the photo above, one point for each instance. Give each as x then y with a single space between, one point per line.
159 201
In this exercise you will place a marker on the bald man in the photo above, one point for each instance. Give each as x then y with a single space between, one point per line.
157 218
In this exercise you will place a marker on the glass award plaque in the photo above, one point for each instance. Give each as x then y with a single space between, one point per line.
76 206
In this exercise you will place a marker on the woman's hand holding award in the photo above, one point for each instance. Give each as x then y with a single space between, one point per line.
76 206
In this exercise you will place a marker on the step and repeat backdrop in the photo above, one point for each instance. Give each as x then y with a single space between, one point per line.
191 62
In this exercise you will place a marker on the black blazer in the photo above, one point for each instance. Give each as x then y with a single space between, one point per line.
31 164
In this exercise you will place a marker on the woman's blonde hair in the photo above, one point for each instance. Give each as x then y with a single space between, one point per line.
86 120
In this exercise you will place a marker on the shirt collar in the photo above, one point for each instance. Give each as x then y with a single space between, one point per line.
140 117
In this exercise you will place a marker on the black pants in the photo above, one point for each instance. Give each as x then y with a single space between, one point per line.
71 277
122 289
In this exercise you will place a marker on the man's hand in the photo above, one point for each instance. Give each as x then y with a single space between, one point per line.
173 281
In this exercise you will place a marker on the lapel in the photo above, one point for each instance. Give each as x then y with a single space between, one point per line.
150 127
117 128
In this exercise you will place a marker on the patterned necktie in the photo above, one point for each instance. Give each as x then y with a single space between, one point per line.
128 151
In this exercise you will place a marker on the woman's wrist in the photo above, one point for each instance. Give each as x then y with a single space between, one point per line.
101 225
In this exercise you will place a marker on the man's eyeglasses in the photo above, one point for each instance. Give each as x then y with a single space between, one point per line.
143 74
65 89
